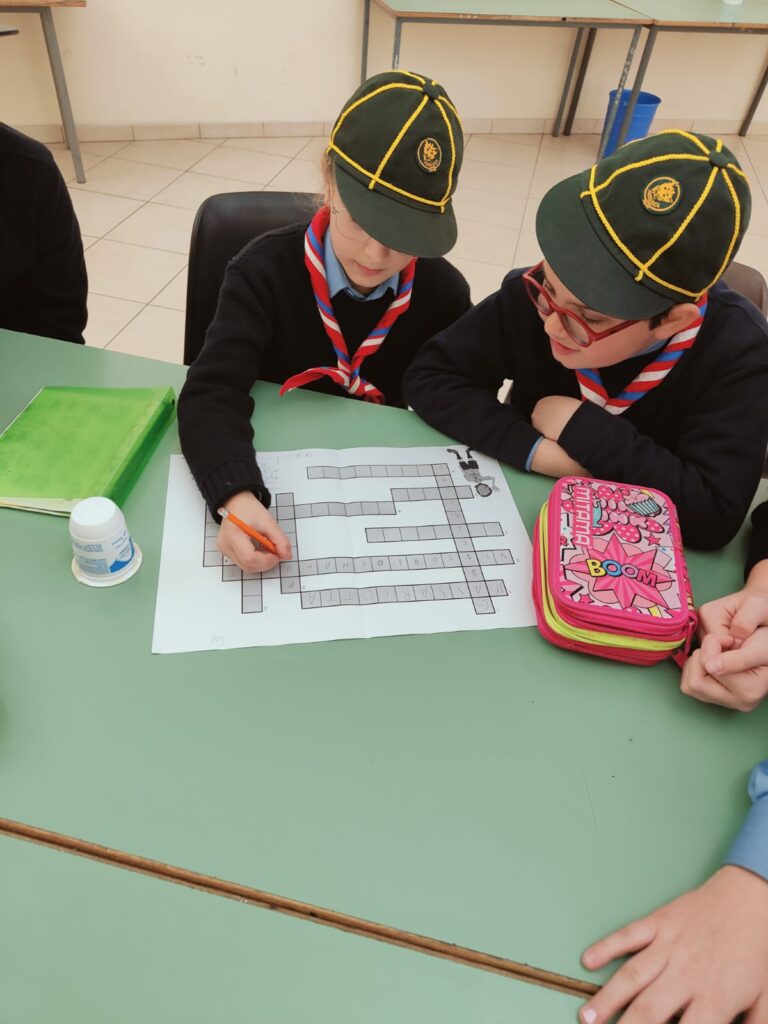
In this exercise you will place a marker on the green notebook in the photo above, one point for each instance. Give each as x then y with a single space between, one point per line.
74 443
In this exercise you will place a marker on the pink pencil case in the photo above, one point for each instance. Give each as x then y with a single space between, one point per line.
609 574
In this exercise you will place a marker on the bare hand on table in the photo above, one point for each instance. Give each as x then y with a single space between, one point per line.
704 956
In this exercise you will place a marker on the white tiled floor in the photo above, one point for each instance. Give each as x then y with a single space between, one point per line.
137 207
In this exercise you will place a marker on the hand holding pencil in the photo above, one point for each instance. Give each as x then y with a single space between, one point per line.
249 535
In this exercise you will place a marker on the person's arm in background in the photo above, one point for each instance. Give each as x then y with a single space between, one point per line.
52 299
714 469
214 413
705 954
453 384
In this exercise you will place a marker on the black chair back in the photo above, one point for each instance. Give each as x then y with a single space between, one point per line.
748 282
223 226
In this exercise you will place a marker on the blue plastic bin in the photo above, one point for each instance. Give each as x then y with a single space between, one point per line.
642 117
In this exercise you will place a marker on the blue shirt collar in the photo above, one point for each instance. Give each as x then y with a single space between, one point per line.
339 282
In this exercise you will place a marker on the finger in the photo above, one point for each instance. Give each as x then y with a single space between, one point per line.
716 616
752 614
628 939
240 549
731 662
695 683
281 542
706 1010
711 647
660 1001
631 979
708 690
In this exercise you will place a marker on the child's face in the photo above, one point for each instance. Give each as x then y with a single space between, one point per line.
606 352
366 262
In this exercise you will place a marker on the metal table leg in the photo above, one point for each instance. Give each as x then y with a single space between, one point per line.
644 60
754 104
366 30
396 44
57 68
614 107
567 83
580 79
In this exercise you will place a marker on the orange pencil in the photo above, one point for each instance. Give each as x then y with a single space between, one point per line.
264 541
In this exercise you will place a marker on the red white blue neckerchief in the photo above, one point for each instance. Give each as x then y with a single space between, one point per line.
653 373
346 373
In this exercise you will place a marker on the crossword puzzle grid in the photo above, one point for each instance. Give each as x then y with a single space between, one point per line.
474 586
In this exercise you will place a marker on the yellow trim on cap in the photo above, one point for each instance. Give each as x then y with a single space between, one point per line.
394 188
639 164
592 191
453 110
737 226
681 230
396 142
369 96
447 194
412 74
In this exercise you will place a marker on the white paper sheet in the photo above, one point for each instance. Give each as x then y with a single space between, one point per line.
385 541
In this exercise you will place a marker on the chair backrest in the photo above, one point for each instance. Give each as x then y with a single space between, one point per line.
223 226
748 282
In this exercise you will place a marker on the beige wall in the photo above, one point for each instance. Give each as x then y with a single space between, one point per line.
179 62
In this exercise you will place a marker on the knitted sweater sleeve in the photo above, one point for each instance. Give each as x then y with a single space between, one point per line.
215 404
54 295
714 468
758 541
454 381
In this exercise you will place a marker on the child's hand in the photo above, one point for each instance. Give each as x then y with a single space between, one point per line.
238 546
706 954
551 414
740 614
719 673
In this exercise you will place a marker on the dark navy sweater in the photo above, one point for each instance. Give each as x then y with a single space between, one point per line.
43 283
267 327
700 436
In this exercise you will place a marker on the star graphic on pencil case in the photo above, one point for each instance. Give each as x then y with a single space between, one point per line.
640 588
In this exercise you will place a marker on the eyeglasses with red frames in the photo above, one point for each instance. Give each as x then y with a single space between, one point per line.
576 329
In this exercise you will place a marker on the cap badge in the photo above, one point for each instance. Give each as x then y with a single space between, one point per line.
662 195
429 155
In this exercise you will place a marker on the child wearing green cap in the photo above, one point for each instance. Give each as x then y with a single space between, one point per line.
629 360
339 305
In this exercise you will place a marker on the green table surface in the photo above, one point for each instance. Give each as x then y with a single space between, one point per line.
515 10
483 788
749 14
86 943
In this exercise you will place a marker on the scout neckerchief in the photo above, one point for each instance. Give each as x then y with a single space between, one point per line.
591 383
346 373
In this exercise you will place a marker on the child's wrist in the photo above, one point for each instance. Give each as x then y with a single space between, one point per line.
757 582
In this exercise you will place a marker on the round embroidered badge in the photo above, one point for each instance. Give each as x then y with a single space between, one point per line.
429 155
662 195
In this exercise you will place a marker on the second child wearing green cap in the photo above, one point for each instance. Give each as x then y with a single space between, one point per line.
629 360
341 305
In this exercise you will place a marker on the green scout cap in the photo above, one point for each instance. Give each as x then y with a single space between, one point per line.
652 225
397 148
